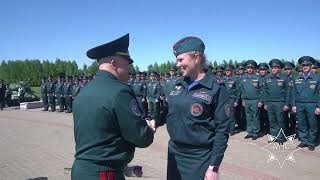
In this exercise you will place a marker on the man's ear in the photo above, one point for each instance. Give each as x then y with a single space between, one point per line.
114 64
197 58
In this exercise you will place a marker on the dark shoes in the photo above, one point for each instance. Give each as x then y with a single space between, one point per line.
311 148
45 110
302 145
232 133
254 137
248 136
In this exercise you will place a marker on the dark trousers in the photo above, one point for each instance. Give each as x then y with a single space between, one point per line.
45 101
154 108
252 116
232 114
52 102
276 119
2 102
241 116
69 103
307 120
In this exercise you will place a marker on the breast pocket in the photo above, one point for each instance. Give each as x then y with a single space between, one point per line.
299 87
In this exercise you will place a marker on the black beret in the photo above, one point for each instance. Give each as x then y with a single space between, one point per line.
118 47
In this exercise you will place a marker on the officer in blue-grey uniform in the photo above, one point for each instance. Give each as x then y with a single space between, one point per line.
306 103
197 118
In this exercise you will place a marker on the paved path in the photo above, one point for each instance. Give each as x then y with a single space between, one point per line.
40 144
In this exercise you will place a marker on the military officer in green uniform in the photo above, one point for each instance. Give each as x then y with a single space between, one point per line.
231 85
59 92
291 125
197 120
276 98
306 103
107 118
51 91
315 67
264 120
139 89
250 88
153 96
44 94
68 94
75 88
240 112
219 72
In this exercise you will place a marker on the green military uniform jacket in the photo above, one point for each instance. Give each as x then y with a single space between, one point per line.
50 87
276 89
43 88
169 85
198 125
59 88
107 124
250 88
231 84
306 91
153 89
139 88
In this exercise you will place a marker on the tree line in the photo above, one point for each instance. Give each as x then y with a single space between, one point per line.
32 70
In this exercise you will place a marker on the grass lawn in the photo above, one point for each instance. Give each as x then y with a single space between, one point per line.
36 90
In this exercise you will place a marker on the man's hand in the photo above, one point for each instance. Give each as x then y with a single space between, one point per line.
265 107
285 108
143 100
235 104
152 124
260 105
157 100
317 111
294 109
211 175
243 104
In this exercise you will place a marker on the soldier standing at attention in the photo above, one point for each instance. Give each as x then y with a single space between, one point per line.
51 91
197 122
220 72
59 92
2 94
250 88
306 103
231 85
291 125
276 98
75 88
44 94
107 118
264 121
153 96
139 90
68 94
240 112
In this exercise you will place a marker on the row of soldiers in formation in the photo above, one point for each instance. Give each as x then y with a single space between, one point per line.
261 102
62 91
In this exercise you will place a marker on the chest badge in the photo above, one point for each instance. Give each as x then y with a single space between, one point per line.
280 83
196 109
312 86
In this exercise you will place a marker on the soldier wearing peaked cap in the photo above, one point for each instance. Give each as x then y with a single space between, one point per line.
197 118
264 122
240 112
315 67
232 88
44 94
51 95
306 103
108 122
276 97
59 92
291 126
220 72
153 96
250 88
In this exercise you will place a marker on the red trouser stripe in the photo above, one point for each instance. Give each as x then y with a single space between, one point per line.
111 176
103 175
